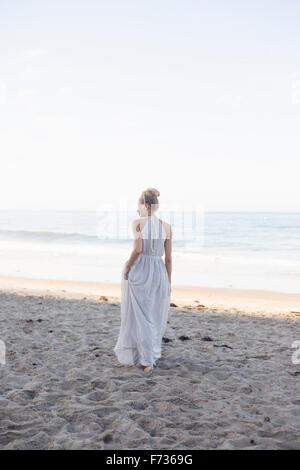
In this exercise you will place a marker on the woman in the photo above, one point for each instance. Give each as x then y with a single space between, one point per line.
145 287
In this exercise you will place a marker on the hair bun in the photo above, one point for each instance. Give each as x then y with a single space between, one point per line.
154 191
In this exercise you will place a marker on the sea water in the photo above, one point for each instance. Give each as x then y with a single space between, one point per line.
248 250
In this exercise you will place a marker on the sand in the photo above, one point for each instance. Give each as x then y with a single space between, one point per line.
231 384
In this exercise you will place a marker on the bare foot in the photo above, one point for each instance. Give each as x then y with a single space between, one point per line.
148 369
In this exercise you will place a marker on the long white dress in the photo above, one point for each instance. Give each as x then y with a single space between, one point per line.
145 301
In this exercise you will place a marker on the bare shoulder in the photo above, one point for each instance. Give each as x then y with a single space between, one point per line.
136 228
136 223
167 228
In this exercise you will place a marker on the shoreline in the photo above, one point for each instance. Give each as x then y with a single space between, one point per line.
212 297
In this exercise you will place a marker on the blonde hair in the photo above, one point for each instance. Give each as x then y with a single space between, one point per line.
150 197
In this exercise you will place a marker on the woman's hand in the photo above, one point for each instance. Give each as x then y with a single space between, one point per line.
126 271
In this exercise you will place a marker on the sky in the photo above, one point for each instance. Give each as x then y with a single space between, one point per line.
101 99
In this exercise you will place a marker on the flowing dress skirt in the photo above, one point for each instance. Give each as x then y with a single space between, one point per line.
145 301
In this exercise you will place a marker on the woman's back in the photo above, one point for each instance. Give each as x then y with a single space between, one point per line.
153 234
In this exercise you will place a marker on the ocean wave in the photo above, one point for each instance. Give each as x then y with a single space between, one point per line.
44 236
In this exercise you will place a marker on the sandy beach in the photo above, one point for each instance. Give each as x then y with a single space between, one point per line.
226 379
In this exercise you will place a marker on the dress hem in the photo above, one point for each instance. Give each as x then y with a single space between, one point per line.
132 363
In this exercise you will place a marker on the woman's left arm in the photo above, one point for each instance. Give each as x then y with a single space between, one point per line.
137 247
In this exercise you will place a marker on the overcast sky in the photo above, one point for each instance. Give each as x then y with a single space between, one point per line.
101 99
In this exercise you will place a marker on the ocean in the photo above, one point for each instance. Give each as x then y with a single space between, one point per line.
240 250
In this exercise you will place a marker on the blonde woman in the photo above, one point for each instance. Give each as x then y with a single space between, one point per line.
146 287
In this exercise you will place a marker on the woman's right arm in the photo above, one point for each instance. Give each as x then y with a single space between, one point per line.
168 253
